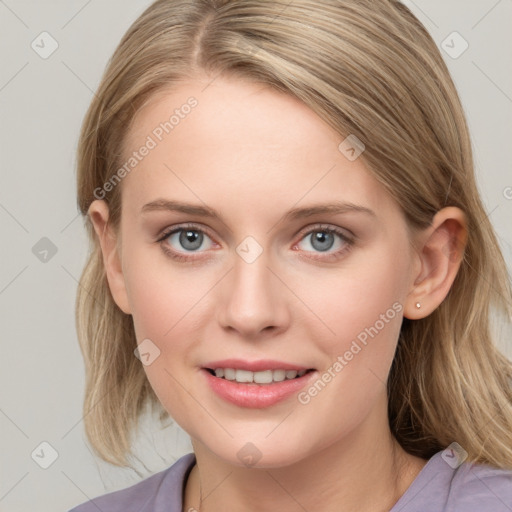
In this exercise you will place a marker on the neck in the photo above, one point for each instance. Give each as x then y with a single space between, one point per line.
365 471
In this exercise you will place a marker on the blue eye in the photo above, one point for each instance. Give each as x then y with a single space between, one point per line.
186 243
324 239
187 239
321 240
190 240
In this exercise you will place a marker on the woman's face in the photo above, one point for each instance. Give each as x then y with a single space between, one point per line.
290 256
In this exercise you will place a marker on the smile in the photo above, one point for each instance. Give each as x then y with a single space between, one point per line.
256 384
259 377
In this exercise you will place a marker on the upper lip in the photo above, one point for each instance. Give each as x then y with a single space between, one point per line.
254 366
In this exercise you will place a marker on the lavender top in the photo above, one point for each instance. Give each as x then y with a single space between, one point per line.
437 488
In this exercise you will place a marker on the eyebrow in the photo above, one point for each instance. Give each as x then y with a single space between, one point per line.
293 214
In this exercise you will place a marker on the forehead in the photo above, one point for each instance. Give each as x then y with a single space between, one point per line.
235 139
230 110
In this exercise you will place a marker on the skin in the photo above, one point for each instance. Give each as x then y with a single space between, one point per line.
253 154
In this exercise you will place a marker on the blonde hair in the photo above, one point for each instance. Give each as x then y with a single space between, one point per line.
367 68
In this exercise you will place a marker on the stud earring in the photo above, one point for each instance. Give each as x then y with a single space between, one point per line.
418 305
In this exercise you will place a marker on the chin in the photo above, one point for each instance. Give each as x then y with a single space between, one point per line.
261 456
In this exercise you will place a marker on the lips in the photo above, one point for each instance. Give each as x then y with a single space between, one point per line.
256 384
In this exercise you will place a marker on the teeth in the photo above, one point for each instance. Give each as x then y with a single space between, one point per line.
263 377
229 374
244 376
279 375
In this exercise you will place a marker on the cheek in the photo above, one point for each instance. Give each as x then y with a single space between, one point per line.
165 306
364 308
161 294
169 305
368 293
353 313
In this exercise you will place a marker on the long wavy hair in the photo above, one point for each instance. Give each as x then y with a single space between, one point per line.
367 68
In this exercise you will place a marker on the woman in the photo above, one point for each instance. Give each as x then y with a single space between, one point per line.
291 259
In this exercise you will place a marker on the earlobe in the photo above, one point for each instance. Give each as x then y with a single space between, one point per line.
98 214
440 254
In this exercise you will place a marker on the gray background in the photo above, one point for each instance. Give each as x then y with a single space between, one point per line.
42 104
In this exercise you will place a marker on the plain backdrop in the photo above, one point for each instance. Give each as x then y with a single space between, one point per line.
42 104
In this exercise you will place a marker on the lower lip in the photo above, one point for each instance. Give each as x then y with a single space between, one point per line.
256 396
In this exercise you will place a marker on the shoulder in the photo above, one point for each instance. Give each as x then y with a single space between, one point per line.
444 485
480 487
159 492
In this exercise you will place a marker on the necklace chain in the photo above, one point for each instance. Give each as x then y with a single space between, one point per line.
193 509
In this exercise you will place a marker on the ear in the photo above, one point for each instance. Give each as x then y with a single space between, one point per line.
98 214
440 251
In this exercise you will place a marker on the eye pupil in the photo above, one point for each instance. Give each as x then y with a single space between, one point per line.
322 240
191 240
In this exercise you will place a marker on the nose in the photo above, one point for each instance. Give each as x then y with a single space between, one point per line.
253 301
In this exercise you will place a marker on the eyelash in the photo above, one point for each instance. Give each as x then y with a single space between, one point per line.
347 240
